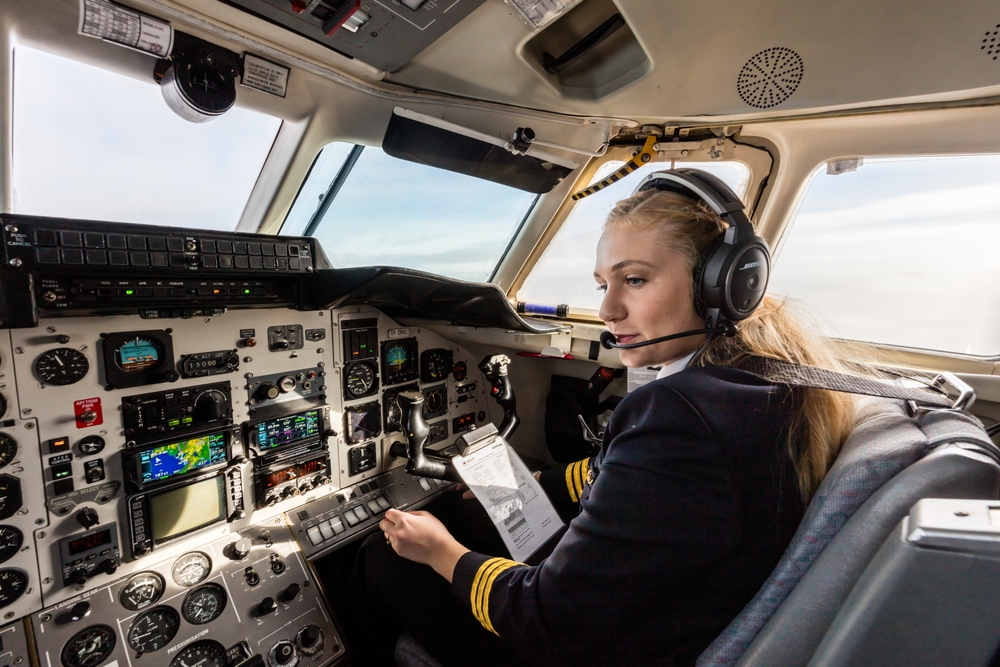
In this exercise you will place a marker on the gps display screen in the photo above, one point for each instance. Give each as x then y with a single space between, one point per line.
286 430
179 458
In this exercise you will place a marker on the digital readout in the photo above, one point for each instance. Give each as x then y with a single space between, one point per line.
88 542
180 458
294 471
285 430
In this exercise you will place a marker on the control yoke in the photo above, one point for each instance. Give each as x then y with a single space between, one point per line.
494 367
411 406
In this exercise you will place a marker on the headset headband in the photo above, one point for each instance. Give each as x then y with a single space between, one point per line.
711 189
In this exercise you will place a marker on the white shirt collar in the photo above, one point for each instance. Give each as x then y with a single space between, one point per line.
674 367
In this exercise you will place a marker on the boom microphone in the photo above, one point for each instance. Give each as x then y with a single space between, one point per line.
608 339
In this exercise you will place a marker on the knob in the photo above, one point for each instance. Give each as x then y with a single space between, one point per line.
290 593
210 405
78 576
283 653
266 606
108 566
289 491
87 517
241 548
299 6
237 515
286 384
271 499
248 342
88 417
79 611
310 639
267 391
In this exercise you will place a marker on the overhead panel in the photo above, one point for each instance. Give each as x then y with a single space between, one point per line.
385 34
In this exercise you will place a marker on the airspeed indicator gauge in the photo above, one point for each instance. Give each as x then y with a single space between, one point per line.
360 380
61 366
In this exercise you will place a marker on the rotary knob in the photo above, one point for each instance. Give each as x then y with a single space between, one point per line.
310 639
210 405
87 517
267 391
79 611
290 593
266 606
286 384
241 548
283 653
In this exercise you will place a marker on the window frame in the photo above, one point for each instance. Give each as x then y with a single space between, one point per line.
671 154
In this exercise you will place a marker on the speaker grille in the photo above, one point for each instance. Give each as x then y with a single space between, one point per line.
770 77
990 44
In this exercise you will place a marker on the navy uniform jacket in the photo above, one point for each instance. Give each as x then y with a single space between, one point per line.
682 516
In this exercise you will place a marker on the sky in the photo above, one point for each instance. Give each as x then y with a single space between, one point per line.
901 251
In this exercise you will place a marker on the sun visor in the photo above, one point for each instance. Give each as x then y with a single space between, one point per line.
408 138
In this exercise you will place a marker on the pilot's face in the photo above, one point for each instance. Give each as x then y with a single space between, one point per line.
647 294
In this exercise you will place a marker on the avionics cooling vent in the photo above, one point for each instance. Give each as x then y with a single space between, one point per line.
770 77
990 45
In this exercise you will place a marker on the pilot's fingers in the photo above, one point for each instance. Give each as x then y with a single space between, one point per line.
468 495
394 516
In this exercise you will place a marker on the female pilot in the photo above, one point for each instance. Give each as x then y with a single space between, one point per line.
702 479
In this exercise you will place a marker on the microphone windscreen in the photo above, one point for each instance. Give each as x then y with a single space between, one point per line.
607 338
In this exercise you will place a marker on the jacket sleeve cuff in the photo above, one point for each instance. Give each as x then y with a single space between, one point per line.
472 583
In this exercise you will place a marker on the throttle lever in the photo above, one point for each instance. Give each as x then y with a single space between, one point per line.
411 407
494 367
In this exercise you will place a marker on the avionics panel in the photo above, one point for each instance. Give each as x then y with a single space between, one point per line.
158 464
289 429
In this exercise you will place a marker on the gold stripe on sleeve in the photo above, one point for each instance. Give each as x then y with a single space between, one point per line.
570 484
484 615
479 585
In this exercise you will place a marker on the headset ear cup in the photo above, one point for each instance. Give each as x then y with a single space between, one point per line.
747 274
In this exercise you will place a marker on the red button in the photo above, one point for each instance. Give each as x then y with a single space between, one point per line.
299 6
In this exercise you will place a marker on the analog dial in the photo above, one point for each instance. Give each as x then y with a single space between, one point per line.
435 403
153 629
92 444
201 654
204 604
191 569
360 378
61 366
10 496
89 647
12 585
141 591
8 449
11 540
3 405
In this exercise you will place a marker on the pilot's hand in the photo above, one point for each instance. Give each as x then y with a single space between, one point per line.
420 537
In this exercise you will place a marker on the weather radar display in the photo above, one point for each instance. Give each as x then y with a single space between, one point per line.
179 458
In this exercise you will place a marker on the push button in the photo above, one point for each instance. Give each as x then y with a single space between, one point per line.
158 259
117 242
175 244
338 526
350 517
242 261
92 240
118 258
225 262
71 239
325 530
72 256
45 237
98 257
47 255
269 263
239 247
361 513
157 243
139 258
207 245
424 483
225 247
315 537
210 261
253 248
256 262
136 242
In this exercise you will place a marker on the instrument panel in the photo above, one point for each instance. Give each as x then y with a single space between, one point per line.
137 462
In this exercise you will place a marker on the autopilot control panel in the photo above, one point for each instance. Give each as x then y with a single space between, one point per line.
168 471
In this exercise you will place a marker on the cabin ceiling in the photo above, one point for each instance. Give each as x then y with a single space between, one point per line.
853 53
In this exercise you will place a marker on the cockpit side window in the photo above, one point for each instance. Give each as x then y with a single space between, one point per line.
564 274
899 251
94 144
368 209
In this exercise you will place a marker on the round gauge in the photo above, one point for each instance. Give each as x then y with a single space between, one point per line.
396 357
435 401
359 379
3 405
141 591
138 354
204 604
89 647
201 654
11 540
191 569
12 585
153 629
61 366
10 496
8 449
92 444
460 371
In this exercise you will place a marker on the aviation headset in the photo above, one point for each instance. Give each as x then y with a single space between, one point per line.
732 276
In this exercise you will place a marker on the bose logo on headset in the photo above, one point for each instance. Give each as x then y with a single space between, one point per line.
725 296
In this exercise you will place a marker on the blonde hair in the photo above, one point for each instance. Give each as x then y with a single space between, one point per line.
822 419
